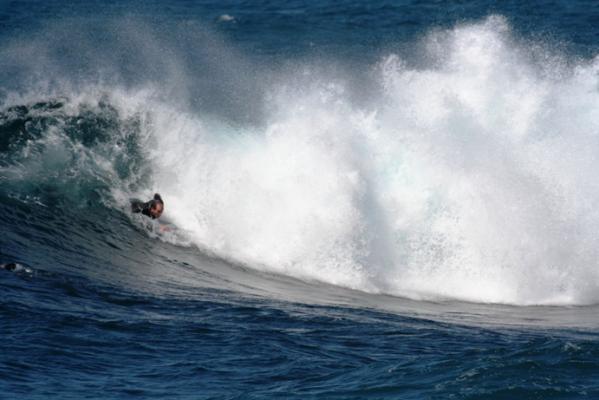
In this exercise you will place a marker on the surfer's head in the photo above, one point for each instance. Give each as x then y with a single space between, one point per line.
156 206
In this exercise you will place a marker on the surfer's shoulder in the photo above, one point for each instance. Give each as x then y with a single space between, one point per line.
137 205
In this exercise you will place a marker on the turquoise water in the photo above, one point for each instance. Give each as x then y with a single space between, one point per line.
383 200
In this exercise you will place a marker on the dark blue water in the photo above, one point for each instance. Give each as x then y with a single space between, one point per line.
380 200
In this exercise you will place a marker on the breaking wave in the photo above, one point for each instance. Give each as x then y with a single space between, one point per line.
467 173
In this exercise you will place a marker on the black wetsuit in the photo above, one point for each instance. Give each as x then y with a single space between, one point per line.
138 206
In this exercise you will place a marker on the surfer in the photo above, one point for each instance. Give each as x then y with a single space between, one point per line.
152 208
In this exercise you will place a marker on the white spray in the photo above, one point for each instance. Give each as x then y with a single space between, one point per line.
472 178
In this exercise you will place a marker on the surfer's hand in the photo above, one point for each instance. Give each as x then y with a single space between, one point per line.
164 228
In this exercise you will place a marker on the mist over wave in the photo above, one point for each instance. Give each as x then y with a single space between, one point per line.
466 174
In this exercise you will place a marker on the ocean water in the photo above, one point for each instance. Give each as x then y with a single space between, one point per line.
363 200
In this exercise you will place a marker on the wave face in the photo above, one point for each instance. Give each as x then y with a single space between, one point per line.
465 173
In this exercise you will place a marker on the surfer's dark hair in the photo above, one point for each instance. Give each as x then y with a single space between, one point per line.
158 199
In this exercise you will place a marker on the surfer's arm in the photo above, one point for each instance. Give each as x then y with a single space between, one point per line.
137 206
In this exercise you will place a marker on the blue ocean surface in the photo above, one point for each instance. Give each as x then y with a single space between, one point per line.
363 200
